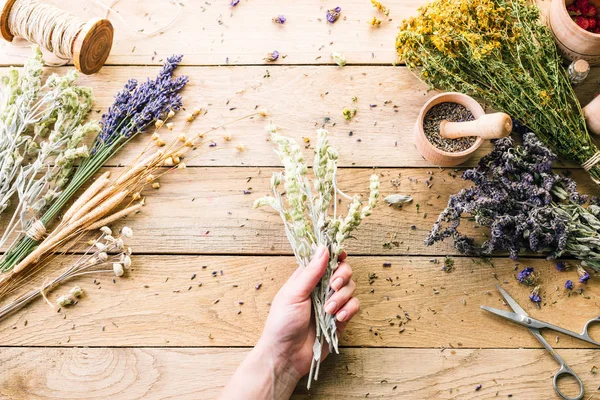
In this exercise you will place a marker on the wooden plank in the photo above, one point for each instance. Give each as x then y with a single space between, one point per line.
48 373
205 211
159 304
299 99
214 33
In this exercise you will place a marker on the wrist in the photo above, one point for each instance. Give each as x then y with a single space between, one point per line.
284 373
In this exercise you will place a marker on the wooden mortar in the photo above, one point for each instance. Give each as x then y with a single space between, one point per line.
573 42
432 153
90 48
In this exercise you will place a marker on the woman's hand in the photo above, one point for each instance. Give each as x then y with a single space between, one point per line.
284 352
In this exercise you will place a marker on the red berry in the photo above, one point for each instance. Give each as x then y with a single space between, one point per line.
582 22
573 11
592 24
591 11
582 5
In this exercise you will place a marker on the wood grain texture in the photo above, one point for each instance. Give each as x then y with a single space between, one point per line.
214 33
413 303
167 373
205 211
299 100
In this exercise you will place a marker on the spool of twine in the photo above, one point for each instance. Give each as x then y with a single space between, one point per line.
88 43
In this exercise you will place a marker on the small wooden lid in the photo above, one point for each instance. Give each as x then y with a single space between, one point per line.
5 7
92 46
581 66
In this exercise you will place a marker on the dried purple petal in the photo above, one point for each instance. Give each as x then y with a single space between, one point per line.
584 276
561 266
273 56
527 276
280 19
234 3
333 14
569 284
535 295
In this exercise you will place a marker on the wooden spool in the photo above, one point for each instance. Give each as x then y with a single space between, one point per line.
90 48
431 152
573 42
592 115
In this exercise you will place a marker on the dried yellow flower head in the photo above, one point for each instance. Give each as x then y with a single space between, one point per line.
263 112
136 196
171 114
159 123
156 185
170 126
240 147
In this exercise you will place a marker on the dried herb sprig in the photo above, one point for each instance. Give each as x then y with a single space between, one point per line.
101 256
525 205
308 222
136 108
499 51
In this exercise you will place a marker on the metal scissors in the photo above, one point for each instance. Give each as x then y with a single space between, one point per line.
519 316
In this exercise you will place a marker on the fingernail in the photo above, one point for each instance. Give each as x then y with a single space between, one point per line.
330 307
320 252
342 315
337 284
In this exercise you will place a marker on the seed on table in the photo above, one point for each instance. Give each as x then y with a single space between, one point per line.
452 112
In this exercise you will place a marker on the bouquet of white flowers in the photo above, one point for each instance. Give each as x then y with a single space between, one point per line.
308 222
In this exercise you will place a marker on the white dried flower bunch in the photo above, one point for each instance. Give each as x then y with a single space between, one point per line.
309 223
105 254
41 134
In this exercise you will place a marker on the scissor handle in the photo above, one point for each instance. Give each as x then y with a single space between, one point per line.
566 371
585 335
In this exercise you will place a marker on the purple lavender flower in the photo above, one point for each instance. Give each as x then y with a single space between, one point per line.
333 14
535 298
525 205
561 266
527 276
271 57
584 276
280 19
234 3
138 106
569 284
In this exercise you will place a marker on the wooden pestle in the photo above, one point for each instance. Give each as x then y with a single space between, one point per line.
488 126
592 115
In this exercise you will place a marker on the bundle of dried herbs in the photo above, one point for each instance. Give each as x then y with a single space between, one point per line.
500 52
525 205
308 222
41 130
136 108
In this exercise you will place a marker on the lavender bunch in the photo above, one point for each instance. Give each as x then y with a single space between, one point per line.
136 108
525 205
308 222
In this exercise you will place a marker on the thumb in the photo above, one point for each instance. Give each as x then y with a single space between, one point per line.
303 283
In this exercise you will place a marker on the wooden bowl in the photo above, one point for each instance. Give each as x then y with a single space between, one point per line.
573 42
432 153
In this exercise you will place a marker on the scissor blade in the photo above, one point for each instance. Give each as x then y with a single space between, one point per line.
511 302
511 316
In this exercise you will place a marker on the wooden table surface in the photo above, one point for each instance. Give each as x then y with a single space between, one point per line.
158 334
